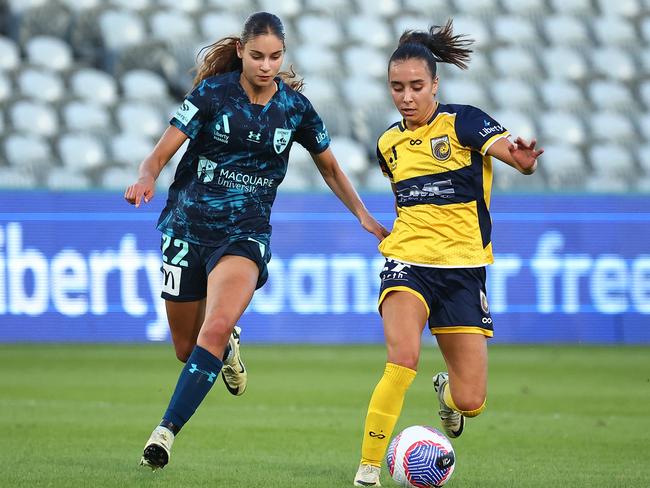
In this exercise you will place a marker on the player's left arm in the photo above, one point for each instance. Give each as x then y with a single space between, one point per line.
521 155
340 184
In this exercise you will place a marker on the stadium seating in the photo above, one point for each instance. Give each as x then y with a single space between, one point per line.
87 86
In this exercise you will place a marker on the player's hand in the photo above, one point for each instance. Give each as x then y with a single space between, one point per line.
142 190
524 153
369 223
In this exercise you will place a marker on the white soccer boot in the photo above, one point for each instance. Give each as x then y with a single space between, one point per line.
367 475
233 372
452 422
157 450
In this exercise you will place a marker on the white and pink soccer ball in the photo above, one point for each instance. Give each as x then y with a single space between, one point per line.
420 457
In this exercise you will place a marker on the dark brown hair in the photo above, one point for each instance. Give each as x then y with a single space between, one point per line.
221 56
437 45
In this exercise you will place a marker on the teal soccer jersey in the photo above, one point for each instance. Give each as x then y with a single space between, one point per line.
226 181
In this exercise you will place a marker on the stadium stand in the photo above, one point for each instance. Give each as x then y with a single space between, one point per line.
87 86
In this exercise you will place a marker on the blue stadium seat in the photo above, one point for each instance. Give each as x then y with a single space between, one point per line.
49 52
562 95
41 84
565 30
561 128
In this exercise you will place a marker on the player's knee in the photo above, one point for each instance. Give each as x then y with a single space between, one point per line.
183 351
407 360
471 406
216 328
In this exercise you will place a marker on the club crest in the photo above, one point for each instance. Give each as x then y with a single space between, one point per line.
441 148
281 139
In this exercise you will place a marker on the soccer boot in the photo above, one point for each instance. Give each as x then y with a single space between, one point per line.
233 372
452 422
367 475
157 450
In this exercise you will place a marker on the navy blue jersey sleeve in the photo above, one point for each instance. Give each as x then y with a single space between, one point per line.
312 133
382 163
194 110
478 130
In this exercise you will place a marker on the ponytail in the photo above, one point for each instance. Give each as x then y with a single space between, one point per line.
437 45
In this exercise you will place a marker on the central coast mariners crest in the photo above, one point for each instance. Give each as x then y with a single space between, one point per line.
205 170
281 139
441 148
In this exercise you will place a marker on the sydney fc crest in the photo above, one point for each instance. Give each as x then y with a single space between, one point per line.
281 139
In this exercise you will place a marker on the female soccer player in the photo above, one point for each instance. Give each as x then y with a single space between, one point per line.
241 117
438 160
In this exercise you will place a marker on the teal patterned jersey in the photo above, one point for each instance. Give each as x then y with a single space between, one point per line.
226 181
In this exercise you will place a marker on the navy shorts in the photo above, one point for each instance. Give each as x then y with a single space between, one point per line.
455 298
186 265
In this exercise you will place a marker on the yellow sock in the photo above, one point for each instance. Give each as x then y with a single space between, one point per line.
384 409
446 394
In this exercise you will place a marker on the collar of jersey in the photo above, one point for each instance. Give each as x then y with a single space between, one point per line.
402 123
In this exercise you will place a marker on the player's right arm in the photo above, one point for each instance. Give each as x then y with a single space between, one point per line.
144 189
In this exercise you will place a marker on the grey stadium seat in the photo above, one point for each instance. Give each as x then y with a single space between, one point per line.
121 28
86 116
6 89
365 61
611 127
239 6
117 178
314 58
562 94
644 126
574 7
515 30
140 118
624 8
27 150
612 160
564 63
481 8
405 22
16 178
187 6
350 154
473 28
519 123
561 128
9 55
531 8
564 166
463 91
515 62
611 95
136 5
34 117
171 24
613 62
565 30
144 85
216 25
80 6
509 92
65 179
285 9
385 8
611 30
319 29
81 152
94 85
369 29
49 52
40 84
130 149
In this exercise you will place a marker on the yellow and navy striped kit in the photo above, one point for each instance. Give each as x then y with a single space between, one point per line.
442 178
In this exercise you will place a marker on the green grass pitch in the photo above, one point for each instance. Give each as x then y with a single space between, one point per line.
78 415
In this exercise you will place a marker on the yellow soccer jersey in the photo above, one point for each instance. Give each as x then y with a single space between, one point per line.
442 178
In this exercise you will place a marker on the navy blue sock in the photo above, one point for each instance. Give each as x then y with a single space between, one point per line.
194 383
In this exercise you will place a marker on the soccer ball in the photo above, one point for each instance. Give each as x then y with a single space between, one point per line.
420 457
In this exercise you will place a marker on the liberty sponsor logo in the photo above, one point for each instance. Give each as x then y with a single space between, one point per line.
281 139
244 182
186 112
254 136
321 136
222 129
488 128
441 148
205 170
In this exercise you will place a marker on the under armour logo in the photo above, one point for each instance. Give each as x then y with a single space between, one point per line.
378 436
211 376
486 123
254 136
